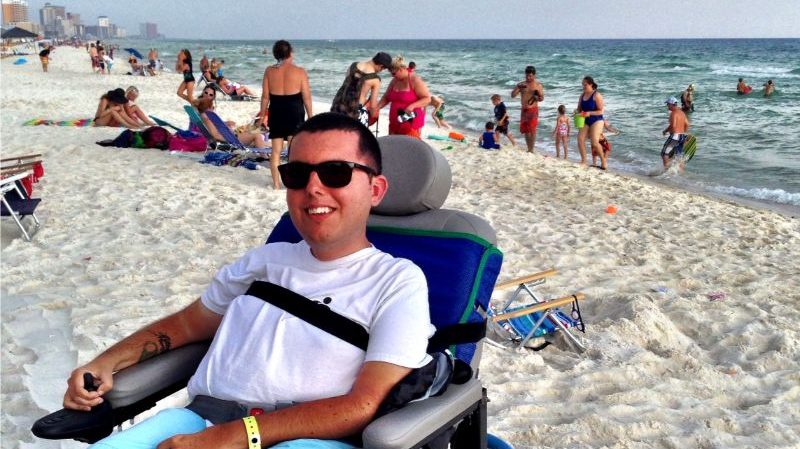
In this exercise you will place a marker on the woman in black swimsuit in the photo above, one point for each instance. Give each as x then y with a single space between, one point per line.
186 88
285 101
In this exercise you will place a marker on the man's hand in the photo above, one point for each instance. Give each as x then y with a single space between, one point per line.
230 435
78 397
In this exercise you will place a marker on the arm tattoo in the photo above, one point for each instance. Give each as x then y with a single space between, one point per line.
153 348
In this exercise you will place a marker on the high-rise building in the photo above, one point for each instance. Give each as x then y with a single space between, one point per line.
14 11
148 30
51 17
103 21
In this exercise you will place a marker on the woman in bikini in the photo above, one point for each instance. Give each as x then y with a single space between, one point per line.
590 105
407 96
284 97
186 88
111 111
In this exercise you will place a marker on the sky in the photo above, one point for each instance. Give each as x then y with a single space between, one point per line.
437 19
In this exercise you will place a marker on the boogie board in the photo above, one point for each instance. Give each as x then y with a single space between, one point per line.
447 138
689 148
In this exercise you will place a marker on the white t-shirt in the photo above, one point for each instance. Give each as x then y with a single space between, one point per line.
263 355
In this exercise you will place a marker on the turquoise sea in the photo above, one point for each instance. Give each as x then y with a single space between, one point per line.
748 146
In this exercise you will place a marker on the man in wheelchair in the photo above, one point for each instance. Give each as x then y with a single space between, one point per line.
270 378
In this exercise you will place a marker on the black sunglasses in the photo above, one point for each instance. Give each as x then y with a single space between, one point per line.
333 174
210 94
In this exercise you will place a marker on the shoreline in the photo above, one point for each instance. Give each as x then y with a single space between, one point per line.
131 234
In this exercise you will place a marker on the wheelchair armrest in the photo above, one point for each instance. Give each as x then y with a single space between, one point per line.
144 379
136 389
415 423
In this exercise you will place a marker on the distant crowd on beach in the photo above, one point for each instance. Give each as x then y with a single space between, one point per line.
285 103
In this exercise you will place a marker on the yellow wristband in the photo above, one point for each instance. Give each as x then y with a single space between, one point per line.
253 436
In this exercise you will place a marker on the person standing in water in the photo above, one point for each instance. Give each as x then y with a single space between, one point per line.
591 106
769 88
532 93
676 131
687 99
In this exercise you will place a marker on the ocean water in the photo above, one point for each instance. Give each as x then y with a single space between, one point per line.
748 146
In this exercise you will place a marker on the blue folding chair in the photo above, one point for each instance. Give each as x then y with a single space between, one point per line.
517 325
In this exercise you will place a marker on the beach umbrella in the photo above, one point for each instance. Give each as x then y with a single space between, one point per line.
134 52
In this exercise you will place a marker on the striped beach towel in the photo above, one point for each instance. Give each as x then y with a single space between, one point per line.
83 122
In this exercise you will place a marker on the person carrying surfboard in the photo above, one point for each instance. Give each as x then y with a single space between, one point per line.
676 131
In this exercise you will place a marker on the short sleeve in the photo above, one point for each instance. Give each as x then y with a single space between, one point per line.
233 280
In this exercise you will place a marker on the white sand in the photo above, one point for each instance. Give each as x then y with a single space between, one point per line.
129 235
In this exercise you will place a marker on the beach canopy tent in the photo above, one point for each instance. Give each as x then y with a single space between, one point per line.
18 33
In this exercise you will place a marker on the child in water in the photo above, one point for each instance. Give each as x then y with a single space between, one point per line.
486 140
438 112
561 131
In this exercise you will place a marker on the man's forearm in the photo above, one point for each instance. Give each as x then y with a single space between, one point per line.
331 418
194 323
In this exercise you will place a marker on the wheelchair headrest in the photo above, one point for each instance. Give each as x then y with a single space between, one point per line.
419 177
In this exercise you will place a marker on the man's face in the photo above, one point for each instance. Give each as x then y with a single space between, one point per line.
333 220
529 77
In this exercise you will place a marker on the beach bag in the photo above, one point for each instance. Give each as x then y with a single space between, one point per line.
126 139
155 137
188 141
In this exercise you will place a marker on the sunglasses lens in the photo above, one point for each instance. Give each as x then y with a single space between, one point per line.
295 174
335 174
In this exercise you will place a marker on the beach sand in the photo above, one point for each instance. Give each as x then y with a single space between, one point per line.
129 235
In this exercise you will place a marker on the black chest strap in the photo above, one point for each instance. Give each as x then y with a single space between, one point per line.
322 317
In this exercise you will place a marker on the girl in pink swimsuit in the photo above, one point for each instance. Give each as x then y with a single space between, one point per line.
407 93
561 132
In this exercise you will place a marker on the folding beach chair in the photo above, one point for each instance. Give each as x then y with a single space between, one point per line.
165 123
197 121
17 204
230 138
17 164
455 251
517 325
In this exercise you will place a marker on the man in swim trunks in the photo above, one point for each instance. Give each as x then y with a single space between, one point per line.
532 93
678 125
44 57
